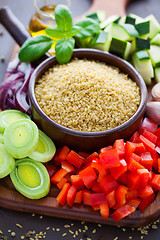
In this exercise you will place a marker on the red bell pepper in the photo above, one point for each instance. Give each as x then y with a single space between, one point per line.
122 212
149 124
133 165
145 192
146 160
79 197
136 157
63 153
58 176
83 154
75 159
97 198
88 176
155 157
104 210
105 149
155 182
119 145
134 137
118 171
134 202
62 196
86 197
61 183
123 179
97 188
150 136
111 198
146 202
157 133
101 171
110 159
131 194
108 184
129 149
140 148
91 157
71 195
133 180
145 176
148 144
121 193
159 165
77 181
67 166
51 170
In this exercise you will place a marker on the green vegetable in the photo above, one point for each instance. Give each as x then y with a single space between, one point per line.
45 149
9 116
7 162
21 138
154 53
33 48
1 138
30 178
88 28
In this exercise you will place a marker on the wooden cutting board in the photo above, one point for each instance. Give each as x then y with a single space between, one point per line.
11 199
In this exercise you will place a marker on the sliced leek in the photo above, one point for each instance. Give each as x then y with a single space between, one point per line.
30 178
9 116
1 138
21 138
7 162
45 149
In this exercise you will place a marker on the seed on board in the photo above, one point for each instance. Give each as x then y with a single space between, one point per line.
13 234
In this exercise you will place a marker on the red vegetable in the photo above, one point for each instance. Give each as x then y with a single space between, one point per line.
75 159
62 196
71 195
88 176
110 159
122 212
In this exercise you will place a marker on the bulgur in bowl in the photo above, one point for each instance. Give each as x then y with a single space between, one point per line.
88 103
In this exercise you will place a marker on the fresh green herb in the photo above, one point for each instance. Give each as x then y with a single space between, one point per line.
64 35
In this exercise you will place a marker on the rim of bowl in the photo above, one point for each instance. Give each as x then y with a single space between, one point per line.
143 91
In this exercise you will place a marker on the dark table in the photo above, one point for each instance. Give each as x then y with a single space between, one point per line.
55 228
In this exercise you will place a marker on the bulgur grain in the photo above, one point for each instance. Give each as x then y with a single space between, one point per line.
85 95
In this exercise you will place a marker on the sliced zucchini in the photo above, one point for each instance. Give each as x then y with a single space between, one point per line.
157 74
109 20
102 41
156 39
7 162
125 32
143 65
21 138
127 19
139 44
154 53
138 18
154 26
9 116
1 138
45 149
30 178
120 48
98 16
143 27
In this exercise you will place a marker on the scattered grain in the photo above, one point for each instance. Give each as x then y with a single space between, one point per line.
18 225
13 234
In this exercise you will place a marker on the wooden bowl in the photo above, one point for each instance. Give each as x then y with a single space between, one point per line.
88 141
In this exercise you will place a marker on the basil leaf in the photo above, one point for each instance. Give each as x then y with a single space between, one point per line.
63 17
89 27
64 50
73 31
56 32
34 47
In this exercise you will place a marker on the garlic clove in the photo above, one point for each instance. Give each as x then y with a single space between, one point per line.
153 111
156 92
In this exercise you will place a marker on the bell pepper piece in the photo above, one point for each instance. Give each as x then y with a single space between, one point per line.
55 157
118 171
121 193
83 154
148 144
105 149
77 181
146 202
62 182
157 133
63 153
88 176
104 210
51 170
131 194
79 197
133 181
145 176
62 196
91 157
134 137
140 148
119 145
134 202
146 160
67 166
86 197
122 212
150 136
133 165
108 184
145 192
155 182
155 157
136 157
123 179
71 195
58 176
110 159
111 198
101 171
159 165
97 188
149 124
97 198
129 149
75 159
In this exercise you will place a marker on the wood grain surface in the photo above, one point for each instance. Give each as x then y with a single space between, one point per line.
11 199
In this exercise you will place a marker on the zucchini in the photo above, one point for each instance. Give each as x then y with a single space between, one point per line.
30 178
143 27
138 18
7 162
120 48
125 32
9 116
157 74
154 53
98 16
45 149
21 138
102 41
156 39
142 62
139 44
154 26
109 20
127 19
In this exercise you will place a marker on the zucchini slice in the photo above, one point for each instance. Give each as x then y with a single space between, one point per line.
156 39
21 138
143 27
139 44
154 26
154 53
45 149
120 48
125 32
30 178
7 162
109 20
9 116
102 41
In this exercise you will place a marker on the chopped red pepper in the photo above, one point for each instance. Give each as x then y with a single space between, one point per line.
131 194
101 171
118 171
146 202
133 180
150 136
108 184
51 170
63 153
140 148
134 137
110 159
111 198
155 182
58 176
97 198
62 196
105 149
91 157
86 197
67 166
134 202
133 165
146 160
61 183
104 210
97 188
88 176
121 193
145 176
77 181
145 192
119 145
122 212
75 159
79 197
148 144
129 149
149 124
71 195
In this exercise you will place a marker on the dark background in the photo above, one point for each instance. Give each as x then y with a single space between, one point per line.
54 228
